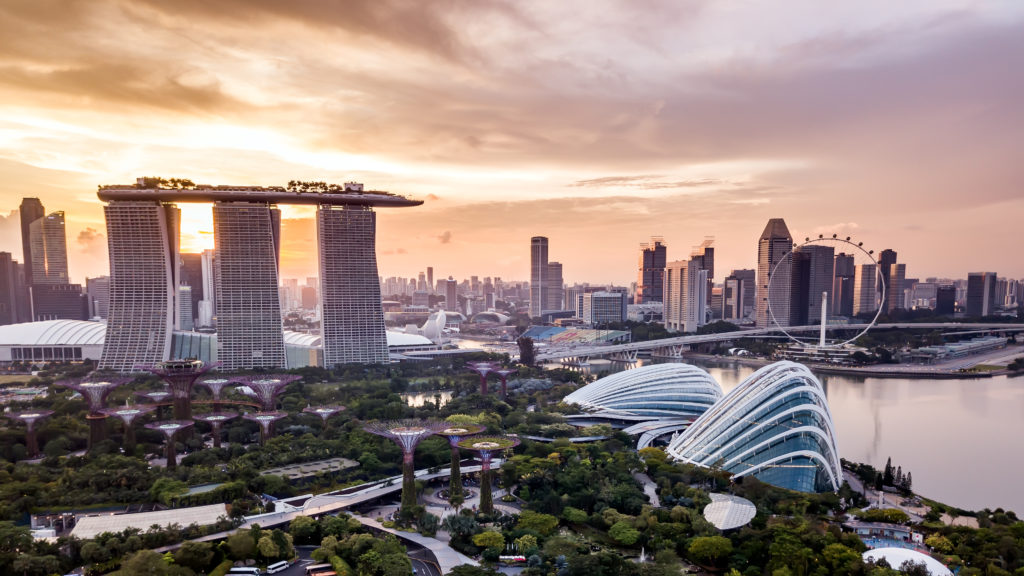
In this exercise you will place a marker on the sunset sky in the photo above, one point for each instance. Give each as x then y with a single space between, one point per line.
597 124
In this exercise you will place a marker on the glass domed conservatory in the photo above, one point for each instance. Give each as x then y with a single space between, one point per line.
658 391
774 426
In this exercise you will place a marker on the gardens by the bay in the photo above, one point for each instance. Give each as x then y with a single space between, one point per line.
567 509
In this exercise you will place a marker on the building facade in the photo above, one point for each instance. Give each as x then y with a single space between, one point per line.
866 290
538 274
686 296
773 248
650 282
352 322
981 294
249 329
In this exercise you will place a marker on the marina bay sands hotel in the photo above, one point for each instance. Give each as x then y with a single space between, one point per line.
143 228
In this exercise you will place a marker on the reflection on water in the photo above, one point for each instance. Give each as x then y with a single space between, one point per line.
417 399
959 438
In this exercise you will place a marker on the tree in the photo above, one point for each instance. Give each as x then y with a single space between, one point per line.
268 548
460 526
525 543
939 543
574 515
241 546
624 533
543 524
304 530
195 555
710 550
489 539
888 476
527 353
151 564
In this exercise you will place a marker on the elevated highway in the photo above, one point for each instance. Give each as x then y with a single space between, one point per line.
675 347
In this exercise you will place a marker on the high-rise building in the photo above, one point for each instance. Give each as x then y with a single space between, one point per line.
892 274
603 307
738 294
191 275
308 297
49 249
945 300
352 317
774 269
842 285
686 299
430 279
207 308
865 290
451 294
31 209
538 274
97 290
8 289
554 287
812 275
249 330
650 284
142 241
981 294
186 321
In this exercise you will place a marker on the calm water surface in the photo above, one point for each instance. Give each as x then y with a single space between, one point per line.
963 440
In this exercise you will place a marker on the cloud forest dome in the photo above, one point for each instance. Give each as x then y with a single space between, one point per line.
775 426
655 391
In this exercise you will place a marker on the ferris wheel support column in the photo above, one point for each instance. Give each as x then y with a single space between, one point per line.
824 313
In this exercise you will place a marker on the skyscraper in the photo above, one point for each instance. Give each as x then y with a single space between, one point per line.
142 241
650 282
98 292
685 296
866 290
538 274
981 294
352 318
31 209
48 246
772 249
451 295
430 279
191 275
249 330
207 308
553 287
816 273
8 289
842 285
739 294
892 275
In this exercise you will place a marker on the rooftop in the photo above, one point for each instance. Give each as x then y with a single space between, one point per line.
92 526
727 512
271 194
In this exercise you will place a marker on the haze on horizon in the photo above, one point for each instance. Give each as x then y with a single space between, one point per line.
595 124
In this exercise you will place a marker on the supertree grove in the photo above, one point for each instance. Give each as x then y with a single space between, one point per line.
504 373
455 434
407 434
128 414
483 369
169 428
487 446
216 387
30 419
266 387
181 376
95 391
216 420
266 421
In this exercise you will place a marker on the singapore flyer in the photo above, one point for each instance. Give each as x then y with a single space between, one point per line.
824 285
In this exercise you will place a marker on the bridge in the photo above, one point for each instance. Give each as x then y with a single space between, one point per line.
675 347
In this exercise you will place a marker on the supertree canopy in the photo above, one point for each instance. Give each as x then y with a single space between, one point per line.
216 420
455 434
95 391
216 387
30 419
181 376
169 428
324 412
128 414
266 421
483 369
266 387
486 446
407 434
504 373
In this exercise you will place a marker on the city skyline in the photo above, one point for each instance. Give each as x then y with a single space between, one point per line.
683 121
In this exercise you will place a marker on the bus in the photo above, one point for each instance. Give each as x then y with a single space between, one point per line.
319 570
277 567
249 571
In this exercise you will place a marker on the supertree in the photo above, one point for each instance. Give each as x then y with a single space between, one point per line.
486 446
95 391
157 398
483 369
266 387
181 376
266 421
454 435
407 434
324 412
504 373
216 387
170 428
30 419
216 419
128 414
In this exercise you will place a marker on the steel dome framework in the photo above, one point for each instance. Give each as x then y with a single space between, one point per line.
657 391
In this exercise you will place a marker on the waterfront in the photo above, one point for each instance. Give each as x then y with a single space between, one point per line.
957 436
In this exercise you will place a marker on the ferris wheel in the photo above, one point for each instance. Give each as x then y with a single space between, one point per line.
832 269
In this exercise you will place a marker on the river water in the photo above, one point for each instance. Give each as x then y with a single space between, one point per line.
963 440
